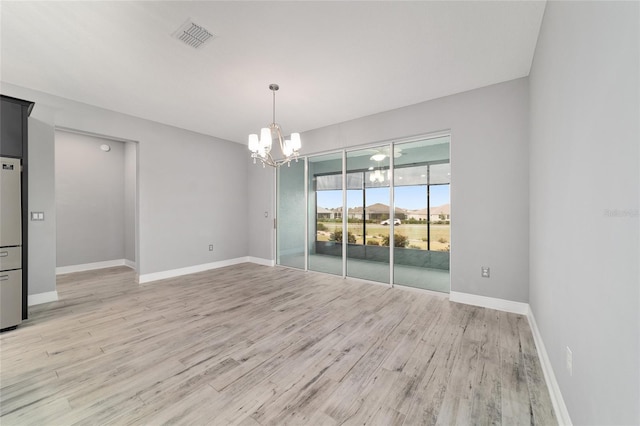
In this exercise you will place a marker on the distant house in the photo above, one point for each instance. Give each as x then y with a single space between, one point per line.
375 212
420 214
442 212
334 213
379 212
323 213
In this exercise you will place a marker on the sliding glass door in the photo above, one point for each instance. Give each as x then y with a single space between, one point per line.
368 213
290 215
380 213
325 213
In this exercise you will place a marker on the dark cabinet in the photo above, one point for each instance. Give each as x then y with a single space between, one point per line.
14 139
11 129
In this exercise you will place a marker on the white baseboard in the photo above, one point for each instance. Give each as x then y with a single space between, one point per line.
559 406
130 264
261 261
155 276
89 266
40 298
490 302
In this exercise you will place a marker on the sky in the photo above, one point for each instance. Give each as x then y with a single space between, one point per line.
406 197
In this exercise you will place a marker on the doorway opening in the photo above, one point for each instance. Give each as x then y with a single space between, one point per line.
96 188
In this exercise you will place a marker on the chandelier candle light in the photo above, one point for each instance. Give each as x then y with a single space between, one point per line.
377 175
261 148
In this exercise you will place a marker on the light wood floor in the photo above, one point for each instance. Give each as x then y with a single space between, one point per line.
255 345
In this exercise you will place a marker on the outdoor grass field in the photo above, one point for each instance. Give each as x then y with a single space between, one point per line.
417 234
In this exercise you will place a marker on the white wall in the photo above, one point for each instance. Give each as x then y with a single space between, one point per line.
584 285
192 187
90 199
489 178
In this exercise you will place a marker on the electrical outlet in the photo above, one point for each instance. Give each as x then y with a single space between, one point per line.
569 361
484 271
210 247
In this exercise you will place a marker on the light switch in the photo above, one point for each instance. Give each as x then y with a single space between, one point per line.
37 216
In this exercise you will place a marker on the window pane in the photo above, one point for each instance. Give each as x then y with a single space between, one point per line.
421 196
368 200
325 213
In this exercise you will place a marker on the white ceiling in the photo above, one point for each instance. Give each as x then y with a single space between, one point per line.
334 61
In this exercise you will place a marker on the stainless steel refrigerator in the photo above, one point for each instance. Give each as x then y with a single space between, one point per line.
10 244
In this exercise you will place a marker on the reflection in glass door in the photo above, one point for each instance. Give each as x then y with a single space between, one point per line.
422 198
368 213
290 214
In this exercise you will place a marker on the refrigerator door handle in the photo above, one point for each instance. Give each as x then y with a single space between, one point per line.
4 277
4 253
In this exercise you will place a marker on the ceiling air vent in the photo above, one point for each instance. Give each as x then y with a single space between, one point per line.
192 34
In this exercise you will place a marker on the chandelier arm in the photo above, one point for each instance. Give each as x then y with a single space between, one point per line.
269 161
275 127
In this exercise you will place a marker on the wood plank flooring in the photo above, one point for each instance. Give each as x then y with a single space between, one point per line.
253 345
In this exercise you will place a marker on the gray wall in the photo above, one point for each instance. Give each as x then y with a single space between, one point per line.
42 234
489 178
192 187
130 200
584 289
261 187
90 199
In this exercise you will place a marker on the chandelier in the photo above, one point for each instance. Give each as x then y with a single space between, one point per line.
261 147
